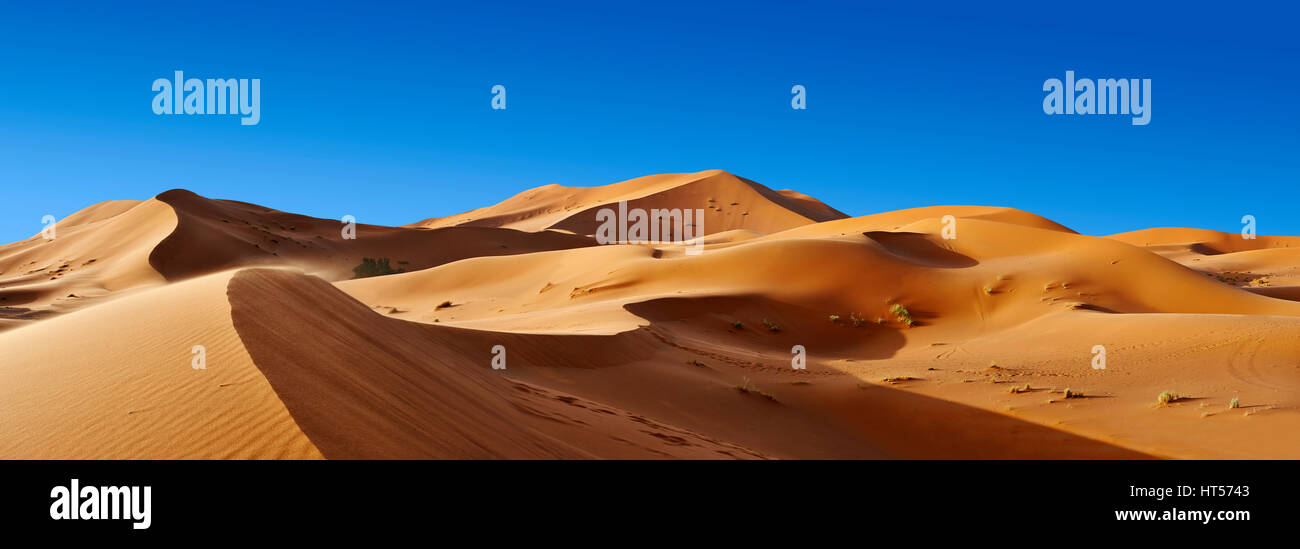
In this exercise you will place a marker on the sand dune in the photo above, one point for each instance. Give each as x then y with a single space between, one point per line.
994 275
98 251
1267 265
294 369
917 345
364 386
116 246
1203 241
1007 277
213 235
729 202
117 381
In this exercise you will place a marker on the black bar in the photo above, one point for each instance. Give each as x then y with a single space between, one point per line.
577 498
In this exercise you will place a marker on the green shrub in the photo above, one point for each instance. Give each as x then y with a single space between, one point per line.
902 314
373 267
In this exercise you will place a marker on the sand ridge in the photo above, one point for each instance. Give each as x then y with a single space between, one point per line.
917 345
728 202
117 381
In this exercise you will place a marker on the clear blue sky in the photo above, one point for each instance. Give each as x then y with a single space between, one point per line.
382 111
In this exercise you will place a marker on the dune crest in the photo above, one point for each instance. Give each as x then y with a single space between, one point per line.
1266 265
95 252
117 381
111 247
214 235
798 332
995 275
365 387
729 203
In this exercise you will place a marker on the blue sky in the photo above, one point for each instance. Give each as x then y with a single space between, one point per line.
383 111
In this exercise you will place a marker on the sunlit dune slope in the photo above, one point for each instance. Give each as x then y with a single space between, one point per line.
97 251
365 386
117 381
1267 265
215 235
728 203
994 275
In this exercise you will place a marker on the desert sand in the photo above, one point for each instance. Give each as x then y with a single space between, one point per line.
917 346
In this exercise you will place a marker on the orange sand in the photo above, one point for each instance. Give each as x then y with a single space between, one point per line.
631 351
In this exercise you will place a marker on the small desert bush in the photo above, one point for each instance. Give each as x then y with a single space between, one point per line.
1167 397
835 318
771 326
373 267
1234 403
902 314
737 325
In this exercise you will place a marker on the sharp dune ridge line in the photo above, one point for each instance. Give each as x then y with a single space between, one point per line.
730 202
980 346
